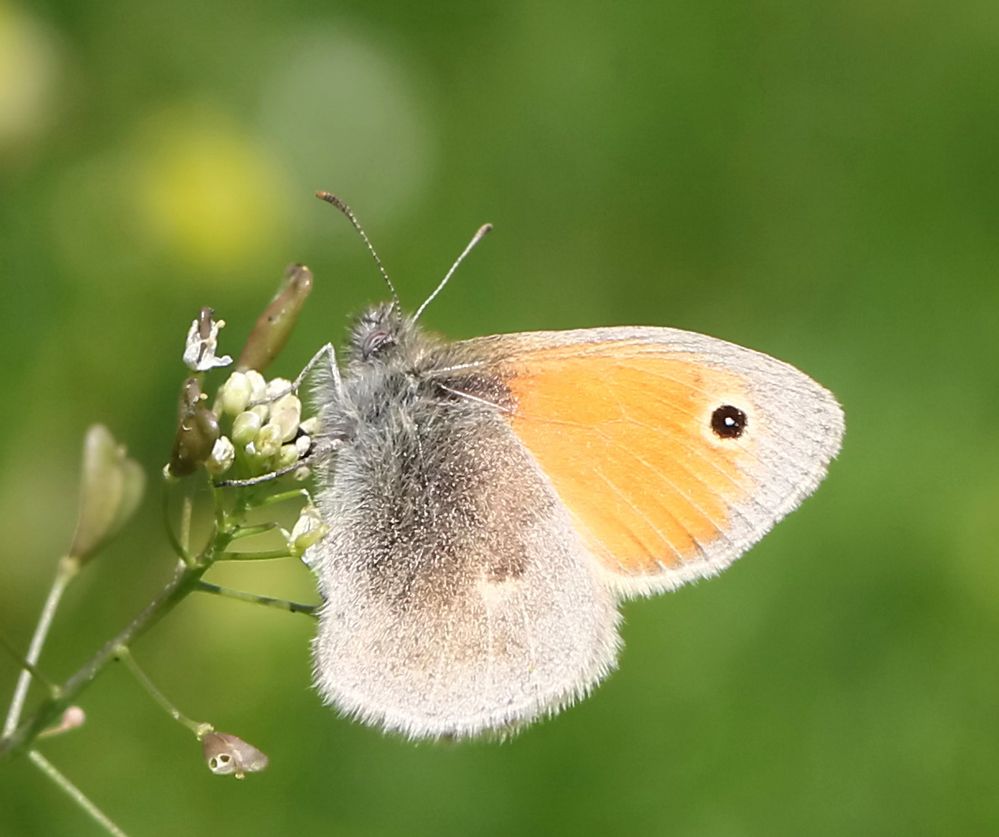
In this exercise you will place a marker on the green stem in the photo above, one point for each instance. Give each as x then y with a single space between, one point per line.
179 550
198 728
282 497
74 793
185 580
252 598
68 567
265 555
22 663
250 531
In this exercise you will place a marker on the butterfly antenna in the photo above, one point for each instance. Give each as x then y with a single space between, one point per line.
479 235
339 204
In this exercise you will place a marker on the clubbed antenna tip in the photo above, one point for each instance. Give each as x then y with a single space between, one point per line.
330 198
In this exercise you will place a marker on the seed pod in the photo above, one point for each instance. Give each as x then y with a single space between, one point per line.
197 431
274 325
111 487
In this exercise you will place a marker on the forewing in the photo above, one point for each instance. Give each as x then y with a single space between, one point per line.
625 423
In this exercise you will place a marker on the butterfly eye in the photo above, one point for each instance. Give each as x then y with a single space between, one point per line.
728 422
375 341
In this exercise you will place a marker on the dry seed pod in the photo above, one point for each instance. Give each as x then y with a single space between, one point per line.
229 755
111 486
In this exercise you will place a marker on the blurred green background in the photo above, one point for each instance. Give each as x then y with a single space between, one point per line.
817 181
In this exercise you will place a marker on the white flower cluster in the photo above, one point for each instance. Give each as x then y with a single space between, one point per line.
267 432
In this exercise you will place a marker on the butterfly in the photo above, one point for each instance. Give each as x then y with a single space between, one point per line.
490 502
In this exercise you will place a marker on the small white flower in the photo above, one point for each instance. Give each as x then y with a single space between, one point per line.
199 352
268 440
221 458
308 530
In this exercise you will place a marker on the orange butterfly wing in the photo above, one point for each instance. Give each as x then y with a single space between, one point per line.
621 423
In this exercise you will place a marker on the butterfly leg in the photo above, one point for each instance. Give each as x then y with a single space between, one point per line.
327 353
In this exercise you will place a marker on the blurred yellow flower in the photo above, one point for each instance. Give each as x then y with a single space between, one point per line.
206 191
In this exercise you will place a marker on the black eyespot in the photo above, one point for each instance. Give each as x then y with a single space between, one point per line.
728 422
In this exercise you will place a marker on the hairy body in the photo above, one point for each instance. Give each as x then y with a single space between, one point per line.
458 597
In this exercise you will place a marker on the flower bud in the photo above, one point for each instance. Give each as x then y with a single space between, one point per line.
286 455
229 755
275 324
310 425
221 458
235 394
246 427
308 530
258 385
268 440
286 413
72 718
111 487
277 388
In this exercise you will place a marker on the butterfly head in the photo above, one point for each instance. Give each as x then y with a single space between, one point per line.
380 334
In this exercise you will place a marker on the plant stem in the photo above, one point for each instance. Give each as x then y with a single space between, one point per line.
74 793
253 598
67 569
284 496
179 549
264 555
251 531
22 663
185 580
197 727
